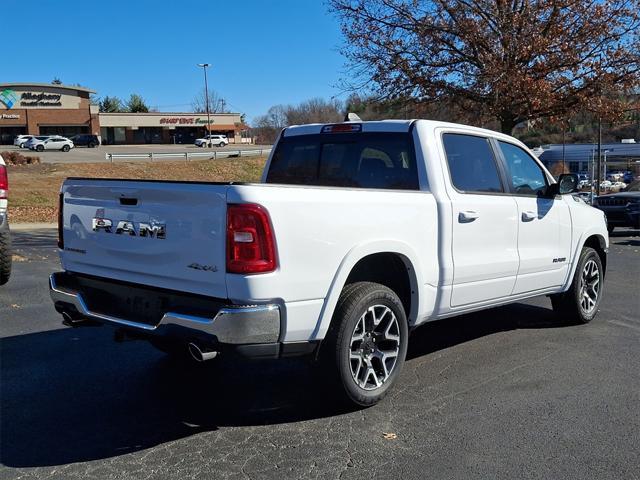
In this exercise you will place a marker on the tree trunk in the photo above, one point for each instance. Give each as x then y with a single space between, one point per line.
507 124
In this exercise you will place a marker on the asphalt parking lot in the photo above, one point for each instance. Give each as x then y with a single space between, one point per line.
97 155
505 393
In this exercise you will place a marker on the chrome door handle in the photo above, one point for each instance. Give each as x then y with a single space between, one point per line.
528 216
467 216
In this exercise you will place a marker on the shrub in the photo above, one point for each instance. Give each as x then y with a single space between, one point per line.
16 158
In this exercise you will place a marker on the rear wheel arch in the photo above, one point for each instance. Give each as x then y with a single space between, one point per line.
392 270
355 267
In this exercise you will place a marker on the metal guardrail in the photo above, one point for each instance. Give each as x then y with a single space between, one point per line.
211 155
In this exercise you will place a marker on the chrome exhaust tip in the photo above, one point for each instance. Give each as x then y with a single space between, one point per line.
200 355
70 321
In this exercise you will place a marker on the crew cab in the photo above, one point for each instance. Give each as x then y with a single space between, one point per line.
5 234
358 233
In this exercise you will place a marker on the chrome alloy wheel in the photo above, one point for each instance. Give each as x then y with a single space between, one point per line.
374 347
589 286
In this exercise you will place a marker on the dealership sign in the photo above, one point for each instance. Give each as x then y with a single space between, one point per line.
184 121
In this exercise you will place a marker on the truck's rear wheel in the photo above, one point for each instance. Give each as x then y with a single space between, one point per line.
367 342
5 254
580 303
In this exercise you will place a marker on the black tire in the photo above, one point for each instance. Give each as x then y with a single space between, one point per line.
5 254
65 148
354 307
39 148
570 305
91 145
221 144
610 228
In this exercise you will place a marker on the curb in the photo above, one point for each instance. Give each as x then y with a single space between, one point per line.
31 226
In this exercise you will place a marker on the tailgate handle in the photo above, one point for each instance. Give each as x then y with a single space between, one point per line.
128 201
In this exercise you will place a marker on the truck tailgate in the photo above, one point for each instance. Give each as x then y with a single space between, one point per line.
162 234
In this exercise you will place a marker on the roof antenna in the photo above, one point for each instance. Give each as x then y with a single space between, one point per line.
352 117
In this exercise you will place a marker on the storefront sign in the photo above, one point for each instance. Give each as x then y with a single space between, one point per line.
183 121
10 116
30 99
8 97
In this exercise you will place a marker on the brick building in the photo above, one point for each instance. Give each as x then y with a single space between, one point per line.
47 109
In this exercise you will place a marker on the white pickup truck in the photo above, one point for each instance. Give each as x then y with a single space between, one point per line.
359 232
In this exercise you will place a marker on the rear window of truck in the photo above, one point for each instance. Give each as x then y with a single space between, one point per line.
361 160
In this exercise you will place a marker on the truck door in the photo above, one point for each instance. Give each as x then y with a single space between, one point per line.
485 222
544 233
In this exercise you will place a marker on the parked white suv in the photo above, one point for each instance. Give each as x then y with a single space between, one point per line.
359 232
33 140
21 140
52 143
5 235
211 140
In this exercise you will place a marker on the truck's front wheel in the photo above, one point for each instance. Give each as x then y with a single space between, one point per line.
367 342
580 303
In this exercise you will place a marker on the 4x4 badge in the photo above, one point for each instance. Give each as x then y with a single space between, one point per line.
206 268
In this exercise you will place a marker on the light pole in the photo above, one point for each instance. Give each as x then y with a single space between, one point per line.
206 99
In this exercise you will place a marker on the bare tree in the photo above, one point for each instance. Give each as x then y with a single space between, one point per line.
199 103
515 60
315 110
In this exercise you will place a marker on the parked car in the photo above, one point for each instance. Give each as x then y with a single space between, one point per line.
210 140
85 140
34 139
5 234
623 208
628 177
52 143
20 140
360 232
586 197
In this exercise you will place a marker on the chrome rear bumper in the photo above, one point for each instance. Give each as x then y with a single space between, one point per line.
235 325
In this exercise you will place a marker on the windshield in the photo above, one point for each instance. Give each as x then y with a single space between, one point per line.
365 160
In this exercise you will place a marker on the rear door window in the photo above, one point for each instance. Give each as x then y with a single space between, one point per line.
472 164
360 160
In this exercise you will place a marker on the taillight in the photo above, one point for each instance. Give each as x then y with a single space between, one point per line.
4 182
250 243
60 221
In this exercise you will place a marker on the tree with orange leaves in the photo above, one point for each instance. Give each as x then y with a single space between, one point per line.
515 60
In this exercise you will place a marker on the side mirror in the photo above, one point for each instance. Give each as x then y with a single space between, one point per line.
567 183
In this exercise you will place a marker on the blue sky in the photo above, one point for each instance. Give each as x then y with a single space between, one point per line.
263 52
